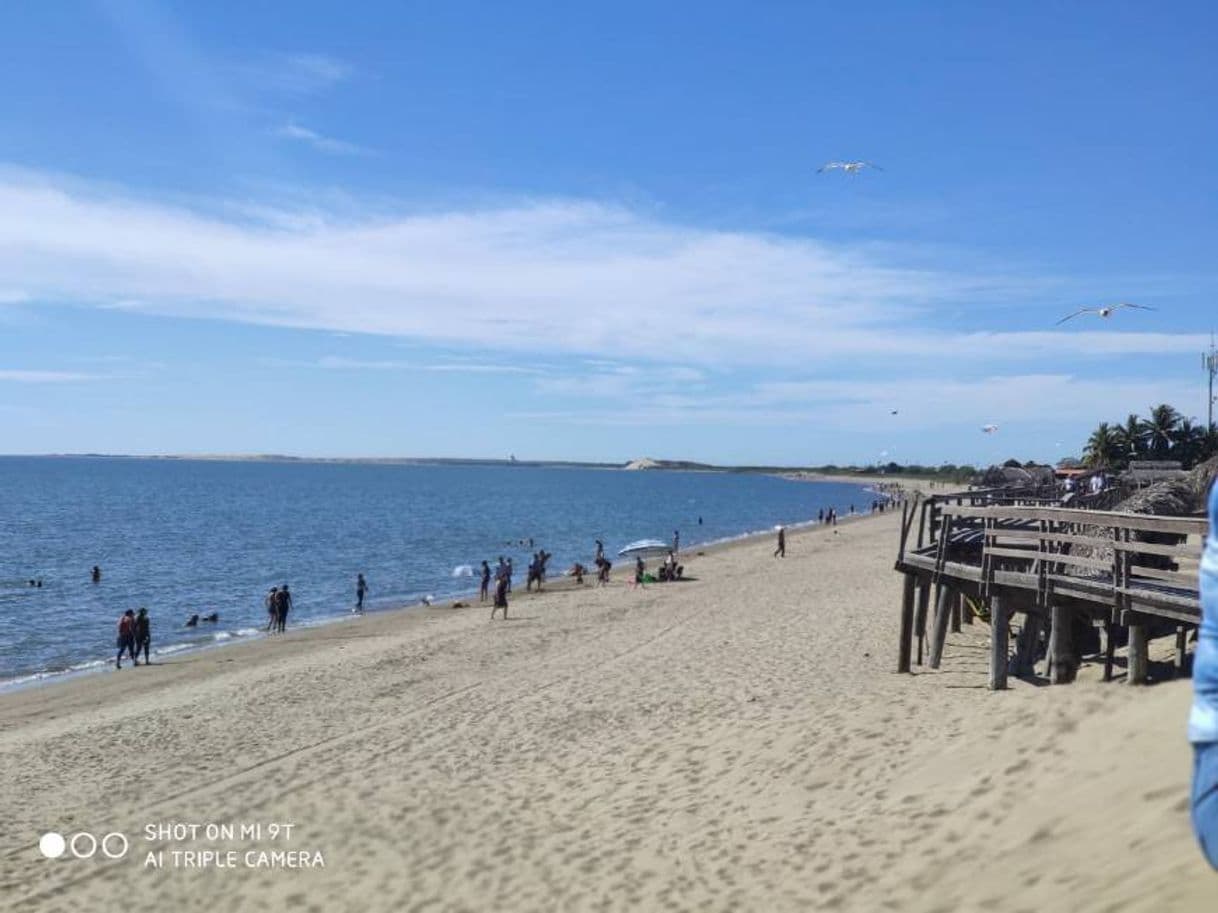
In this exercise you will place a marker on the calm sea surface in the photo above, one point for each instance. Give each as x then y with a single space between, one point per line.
185 537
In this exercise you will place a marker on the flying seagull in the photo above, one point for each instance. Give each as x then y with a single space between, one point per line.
989 429
1104 311
848 167
894 412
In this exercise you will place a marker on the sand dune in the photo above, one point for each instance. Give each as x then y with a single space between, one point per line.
739 741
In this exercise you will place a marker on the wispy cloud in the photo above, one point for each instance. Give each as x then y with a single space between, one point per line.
557 276
305 73
321 143
23 376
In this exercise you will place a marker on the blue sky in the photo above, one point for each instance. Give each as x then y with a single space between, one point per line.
597 232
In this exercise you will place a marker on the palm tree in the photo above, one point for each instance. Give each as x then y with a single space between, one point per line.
1131 439
1188 443
1103 447
1161 429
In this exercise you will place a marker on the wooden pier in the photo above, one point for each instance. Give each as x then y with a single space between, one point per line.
1065 571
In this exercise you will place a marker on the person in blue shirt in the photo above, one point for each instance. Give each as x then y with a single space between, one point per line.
1203 721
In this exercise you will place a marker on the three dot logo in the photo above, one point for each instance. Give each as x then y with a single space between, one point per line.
83 845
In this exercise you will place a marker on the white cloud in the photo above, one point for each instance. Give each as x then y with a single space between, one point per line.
545 276
22 376
321 143
921 403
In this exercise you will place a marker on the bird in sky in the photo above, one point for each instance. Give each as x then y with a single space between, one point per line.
1106 311
848 167
989 429
895 412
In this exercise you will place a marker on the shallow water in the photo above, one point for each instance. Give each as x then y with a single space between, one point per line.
183 537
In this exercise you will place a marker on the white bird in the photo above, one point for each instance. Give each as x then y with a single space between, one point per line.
1105 311
848 167
989 429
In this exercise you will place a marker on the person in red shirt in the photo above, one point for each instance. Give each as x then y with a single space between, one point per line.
126 638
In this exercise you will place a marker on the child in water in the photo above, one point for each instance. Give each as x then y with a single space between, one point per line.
1203 721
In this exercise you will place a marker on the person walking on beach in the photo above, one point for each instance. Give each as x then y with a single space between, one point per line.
143 637
484 589
126 638
639 570
781 551
501 597
283 605
272 609
361 587
1203 720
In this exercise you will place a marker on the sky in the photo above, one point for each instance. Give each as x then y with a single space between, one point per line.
596 231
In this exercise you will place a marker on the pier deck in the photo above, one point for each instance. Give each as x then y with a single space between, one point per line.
1065 570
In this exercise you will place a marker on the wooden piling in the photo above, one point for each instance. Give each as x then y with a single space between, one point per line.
1026 644
955 610
1181 648
998 644
943 612
1109 648
1061 646
966 611
907 623
1139 659
920 613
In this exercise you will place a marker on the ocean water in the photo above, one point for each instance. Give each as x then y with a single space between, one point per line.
186 537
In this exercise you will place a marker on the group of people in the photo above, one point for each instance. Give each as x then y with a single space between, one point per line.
278 603
134 637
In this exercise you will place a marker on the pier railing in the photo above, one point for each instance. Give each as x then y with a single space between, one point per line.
1007 555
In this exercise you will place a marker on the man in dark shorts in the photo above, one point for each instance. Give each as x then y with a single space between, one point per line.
361 587
501 597
283 605
126 638
781 551
484 589
143 637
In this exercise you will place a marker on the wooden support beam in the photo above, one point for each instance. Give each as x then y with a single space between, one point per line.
966 611
907 623
1109 648
1027 644
955 610
998 644
1181 648
920 613
943 612
1139 659
1061 647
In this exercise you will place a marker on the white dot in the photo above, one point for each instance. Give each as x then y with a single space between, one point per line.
52 845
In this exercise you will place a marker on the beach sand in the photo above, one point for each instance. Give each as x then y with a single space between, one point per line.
737 741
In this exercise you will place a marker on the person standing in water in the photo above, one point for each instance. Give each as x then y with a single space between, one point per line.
1203 720
143 637
272 608
96 575
283 605
484 589
361 587
126 638
676 541
600 549
781 551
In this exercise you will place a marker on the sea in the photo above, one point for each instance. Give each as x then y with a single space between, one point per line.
185 537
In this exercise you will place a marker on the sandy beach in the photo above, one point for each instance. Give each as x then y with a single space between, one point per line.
736 741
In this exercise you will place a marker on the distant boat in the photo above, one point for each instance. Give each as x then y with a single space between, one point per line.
646 548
